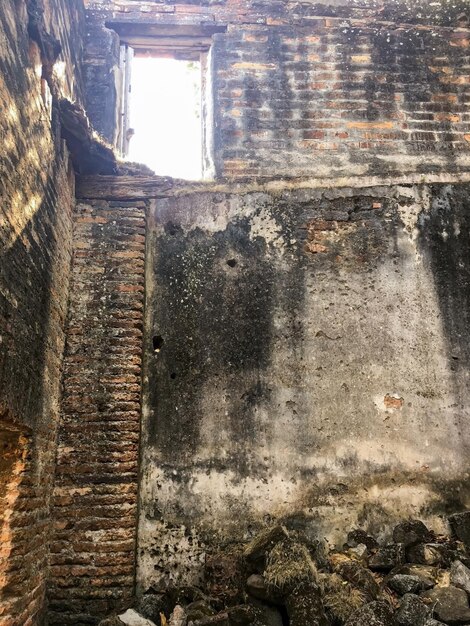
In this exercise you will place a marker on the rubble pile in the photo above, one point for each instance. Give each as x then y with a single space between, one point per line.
283 578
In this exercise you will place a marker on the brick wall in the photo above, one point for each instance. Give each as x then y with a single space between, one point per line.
92 561
101 69
36 192
33 297
311 90
342 97
65 21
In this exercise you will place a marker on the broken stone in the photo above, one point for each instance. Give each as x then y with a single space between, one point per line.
449 604
241 615
289 566
111 621
256 586
426 554
460 554
360 577
318 549
373 614
132 618
462 557
460 576
411 532
404 583
387 557
359 551
460 525
257 549
427 574
221 619
340 598
198 610
413 611
358 536
151 605
305 607
178 617
225 578
267 615
433 622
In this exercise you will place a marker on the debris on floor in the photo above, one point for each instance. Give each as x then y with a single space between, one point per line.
282 578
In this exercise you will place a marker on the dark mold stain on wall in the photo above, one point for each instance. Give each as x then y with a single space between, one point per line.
227 302
444 240
214 309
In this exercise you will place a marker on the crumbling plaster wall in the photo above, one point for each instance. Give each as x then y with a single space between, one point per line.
311 366
36 191
314 89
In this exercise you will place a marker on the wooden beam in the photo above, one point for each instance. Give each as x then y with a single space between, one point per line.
186 48
167 42
147 29
122 187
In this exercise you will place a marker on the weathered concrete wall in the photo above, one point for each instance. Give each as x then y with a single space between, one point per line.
36 192
316 89
306 359
95 496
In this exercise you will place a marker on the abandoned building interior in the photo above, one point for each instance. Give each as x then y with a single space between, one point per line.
241 398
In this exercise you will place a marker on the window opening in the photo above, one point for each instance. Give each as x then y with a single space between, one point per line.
165 127
166 104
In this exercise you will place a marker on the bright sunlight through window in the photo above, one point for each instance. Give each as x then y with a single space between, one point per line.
165 114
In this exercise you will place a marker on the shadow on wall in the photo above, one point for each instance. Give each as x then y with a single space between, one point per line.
445 244
218 297
27 419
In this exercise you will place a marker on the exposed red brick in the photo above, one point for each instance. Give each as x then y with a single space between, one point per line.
96 480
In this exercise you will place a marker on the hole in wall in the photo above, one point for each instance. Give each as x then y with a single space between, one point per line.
157 342
232 262
173 375
171 229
